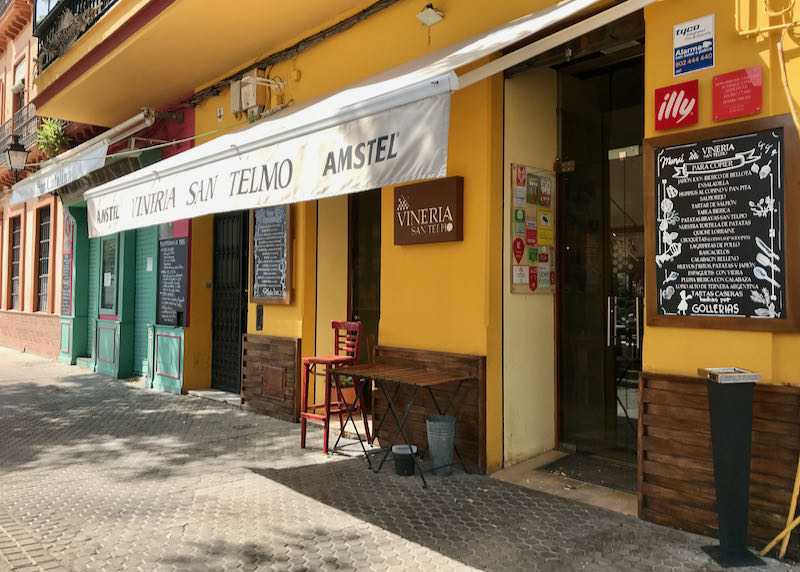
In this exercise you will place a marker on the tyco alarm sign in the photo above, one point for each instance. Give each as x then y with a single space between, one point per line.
693 45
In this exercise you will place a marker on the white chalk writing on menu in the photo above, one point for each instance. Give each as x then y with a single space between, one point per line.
720 247
270 251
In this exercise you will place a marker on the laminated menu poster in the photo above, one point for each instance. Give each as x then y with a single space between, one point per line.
719 214
532 225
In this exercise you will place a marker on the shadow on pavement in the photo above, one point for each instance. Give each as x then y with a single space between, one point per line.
489 524
90 418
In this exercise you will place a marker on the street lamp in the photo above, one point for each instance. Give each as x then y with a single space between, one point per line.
16 156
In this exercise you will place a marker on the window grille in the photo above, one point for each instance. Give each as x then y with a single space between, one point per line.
16 260
44 259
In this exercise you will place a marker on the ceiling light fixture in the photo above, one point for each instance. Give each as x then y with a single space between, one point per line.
430 16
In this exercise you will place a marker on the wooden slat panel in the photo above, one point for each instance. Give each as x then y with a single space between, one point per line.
671 521
663 397
678 497
676 470
267 363
698 417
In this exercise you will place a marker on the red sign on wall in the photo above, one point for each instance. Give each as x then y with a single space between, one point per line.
737 93
676 105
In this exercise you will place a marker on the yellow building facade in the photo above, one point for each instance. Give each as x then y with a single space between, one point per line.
464 297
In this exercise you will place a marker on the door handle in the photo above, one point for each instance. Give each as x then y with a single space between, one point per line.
608 321
636 301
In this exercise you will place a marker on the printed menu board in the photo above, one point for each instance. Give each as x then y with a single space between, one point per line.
66 266
532 230
720 238
173 263
66 285
270 268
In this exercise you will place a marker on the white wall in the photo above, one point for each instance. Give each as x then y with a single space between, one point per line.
530 138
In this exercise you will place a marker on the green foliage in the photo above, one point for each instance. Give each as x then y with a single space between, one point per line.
51 139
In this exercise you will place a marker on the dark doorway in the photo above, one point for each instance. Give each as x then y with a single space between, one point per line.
229 312
601 249
365 267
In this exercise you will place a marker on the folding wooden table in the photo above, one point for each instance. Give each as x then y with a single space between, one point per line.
397 375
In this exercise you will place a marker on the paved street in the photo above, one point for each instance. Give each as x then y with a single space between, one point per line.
98 473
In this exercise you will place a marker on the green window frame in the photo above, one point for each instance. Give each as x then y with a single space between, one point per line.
109 273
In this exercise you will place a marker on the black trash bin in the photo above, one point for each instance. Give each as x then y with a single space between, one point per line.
730 405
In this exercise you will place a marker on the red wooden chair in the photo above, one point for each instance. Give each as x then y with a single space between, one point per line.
347 340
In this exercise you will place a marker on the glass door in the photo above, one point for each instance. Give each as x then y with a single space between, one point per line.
626 289
601 246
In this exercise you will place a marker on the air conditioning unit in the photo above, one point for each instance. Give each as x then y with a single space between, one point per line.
254 92
236 97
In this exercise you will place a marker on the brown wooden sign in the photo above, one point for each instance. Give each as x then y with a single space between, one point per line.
432 211
720 252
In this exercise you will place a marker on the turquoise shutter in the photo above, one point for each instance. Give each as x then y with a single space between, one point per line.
145 295
94 289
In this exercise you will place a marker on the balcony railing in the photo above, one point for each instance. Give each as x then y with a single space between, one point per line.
6 129
64 24
26 125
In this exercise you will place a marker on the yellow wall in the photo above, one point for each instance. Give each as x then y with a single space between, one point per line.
528 320
442 297
332 268
445 296
178 39
682 351
279 319
197 336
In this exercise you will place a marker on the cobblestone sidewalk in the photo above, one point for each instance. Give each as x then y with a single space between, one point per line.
100 474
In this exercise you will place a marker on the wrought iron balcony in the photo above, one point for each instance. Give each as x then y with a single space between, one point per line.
26 125
67 21
6 130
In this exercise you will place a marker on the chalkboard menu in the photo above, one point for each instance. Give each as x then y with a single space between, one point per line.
270 268
173 264
719 218
66 285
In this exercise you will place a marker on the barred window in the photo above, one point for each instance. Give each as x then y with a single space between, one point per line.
16 260
44 259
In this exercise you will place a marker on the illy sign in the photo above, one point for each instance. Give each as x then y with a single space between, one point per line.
676 105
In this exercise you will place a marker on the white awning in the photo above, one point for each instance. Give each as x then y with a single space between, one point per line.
333 145
74 163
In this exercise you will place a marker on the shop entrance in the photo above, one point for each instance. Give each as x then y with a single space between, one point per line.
229 311
365 267
601 248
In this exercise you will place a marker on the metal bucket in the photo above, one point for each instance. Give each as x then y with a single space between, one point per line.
441 434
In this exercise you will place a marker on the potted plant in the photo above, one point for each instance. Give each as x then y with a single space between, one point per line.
51 138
